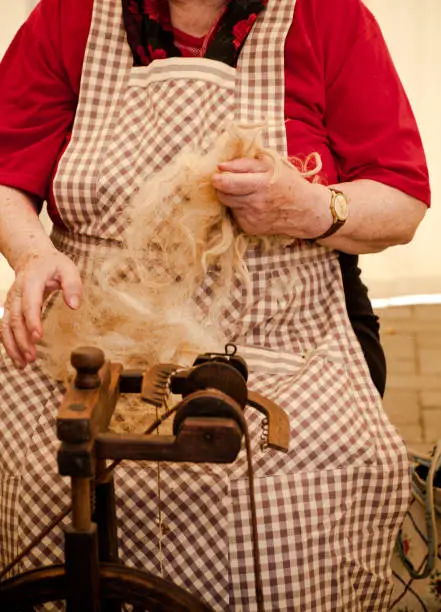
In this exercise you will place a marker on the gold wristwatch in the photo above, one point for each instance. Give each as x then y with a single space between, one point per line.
339 211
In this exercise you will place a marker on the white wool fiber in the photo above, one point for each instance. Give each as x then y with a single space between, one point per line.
138 305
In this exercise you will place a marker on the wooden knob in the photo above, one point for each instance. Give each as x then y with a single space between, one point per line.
87 361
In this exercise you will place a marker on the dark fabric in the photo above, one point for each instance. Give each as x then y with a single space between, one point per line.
150 34
363 320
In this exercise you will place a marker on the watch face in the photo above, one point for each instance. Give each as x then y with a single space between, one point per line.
341 207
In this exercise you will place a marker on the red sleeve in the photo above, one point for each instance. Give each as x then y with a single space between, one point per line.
40 80
355 90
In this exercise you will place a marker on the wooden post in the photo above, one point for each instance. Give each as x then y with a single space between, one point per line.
81 552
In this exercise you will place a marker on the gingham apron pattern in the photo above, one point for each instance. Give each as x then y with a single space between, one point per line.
23 397
328 509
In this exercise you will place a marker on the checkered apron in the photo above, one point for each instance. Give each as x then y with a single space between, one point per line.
327 510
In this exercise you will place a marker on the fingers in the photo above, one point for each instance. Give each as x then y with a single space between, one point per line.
72 287
34 288
22 326
15 335
61 274
246 164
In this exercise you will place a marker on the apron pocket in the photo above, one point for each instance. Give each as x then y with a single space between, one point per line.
331 425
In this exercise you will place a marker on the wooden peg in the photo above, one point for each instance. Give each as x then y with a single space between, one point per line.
87 361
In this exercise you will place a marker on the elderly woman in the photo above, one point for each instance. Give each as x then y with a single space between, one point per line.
97 98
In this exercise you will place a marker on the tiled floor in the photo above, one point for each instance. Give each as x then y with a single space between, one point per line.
411 338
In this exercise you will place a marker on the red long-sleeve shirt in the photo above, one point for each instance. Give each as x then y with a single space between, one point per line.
343 98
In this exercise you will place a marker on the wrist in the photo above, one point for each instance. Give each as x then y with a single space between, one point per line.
36 249
21 233
305 212
320 217
339 209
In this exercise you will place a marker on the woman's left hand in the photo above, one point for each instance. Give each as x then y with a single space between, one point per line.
261 205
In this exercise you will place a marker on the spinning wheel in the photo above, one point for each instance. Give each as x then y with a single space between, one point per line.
208 427
121 586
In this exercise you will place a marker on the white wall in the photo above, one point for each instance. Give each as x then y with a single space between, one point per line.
412 30
12 15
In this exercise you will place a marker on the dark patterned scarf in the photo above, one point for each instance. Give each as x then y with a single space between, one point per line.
150 35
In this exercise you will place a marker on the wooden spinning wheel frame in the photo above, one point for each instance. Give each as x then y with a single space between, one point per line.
208 426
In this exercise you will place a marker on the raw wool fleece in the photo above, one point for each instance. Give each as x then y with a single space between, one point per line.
138 305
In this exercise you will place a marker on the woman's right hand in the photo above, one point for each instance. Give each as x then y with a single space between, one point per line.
36 275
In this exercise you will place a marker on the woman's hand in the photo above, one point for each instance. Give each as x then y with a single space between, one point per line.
379 215
287 205
36 275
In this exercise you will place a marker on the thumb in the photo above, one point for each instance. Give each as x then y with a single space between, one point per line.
72 287
244 165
